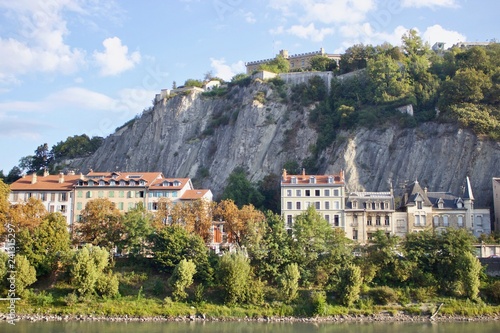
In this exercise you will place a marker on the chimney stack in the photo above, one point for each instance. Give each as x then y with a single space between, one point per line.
33 179
61 178
284 175
45 172
303 173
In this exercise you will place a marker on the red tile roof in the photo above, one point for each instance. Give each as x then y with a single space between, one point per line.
304 179
194 194
45 183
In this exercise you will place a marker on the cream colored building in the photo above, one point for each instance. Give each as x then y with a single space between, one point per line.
326 193
127 189
54 191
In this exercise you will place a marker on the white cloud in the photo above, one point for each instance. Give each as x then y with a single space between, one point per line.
249 17
115 58
328 11
37 42
310 32
437 33
366 34
429 3
225 71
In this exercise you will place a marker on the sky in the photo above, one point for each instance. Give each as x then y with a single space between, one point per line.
72 67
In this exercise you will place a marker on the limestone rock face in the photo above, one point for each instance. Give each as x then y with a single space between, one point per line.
206 138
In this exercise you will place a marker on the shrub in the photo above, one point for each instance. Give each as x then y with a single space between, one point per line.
318 303
492 292
181 278
70 299
107 285
289 282
350 285
234 269
383 295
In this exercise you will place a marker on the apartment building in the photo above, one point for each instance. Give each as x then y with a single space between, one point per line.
54 191
325 192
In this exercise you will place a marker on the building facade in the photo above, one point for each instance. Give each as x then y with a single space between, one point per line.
297 61
362 214
56 192
325 192
127 189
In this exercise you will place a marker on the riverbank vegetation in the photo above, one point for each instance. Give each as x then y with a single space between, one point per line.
140 264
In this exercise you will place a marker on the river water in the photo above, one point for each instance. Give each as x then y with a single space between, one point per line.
246 327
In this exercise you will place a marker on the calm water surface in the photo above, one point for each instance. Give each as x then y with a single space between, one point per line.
95 327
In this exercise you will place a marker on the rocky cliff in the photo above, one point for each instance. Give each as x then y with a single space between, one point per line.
203 137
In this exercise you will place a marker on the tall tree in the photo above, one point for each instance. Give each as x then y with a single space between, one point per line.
195 216
27 215
45 244
4 205
137 227
241 191
101 224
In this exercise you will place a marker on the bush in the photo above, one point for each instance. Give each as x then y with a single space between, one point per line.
289 282
383 295
492 292
181 278
70 299
318 303
107 285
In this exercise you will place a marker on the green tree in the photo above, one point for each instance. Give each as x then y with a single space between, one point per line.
467 86
4 205
193 83
349 287
356 57
88 266
25 274
137 228
470 269
277 65
76 146
271 253
101 224
241 191
182 278
388 79
235 272
289 282
173 244
46 244
318 249
321 63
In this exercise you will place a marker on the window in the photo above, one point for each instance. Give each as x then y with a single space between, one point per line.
121 194
435 220
369 220
336 220
294 180
100 194
327 218
101 183
289 205
419 204
354 204
63 197
120 205
312 180
63 209
336 204
327 193
336 192
317 205
377 220
174 194
53 197
330 179
111 194
460 221
89 194
122 183
355 234
387 220
91 183
445 220
43 196
131 183
317 193
112 183
289 221
417 220
288 193
79 205
327 204
479 220
80 194
298 193
297 205
308 193
400 224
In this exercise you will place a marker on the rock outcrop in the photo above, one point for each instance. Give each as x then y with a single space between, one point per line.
206 138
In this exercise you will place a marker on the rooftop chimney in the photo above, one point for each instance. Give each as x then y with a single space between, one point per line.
45 172
303 173
284 175
61 178
33 179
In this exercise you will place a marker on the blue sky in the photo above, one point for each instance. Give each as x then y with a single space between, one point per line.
70 67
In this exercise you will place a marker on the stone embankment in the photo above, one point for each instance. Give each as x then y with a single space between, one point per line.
380 317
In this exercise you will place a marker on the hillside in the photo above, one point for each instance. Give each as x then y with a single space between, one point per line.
257 127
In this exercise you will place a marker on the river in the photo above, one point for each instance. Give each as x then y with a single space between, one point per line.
249 327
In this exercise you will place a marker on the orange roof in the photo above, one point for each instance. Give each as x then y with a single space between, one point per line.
304 179
159 183
194 194
45 183
149 177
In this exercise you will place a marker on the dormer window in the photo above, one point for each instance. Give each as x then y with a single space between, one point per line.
142 183
101 183
112 183
419 204
440 203
177 183
294 180
312 180
91 183
122 183
131 183
354 204
330 179
165 183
